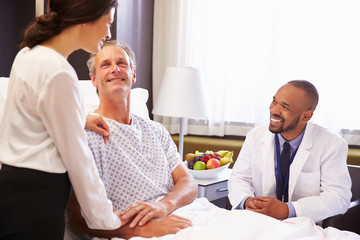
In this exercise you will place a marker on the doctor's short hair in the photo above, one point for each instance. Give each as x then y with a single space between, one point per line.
309 89
91 62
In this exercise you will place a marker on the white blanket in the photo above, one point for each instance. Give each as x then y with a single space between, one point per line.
213 223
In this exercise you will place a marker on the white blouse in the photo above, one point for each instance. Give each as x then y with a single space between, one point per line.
43 128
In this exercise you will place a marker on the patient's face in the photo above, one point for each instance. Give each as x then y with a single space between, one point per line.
113 73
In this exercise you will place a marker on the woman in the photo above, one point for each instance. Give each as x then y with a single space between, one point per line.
42 139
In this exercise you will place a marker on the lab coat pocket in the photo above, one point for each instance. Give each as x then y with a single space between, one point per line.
308 184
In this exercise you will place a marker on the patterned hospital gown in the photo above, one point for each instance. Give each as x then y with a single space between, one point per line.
136 163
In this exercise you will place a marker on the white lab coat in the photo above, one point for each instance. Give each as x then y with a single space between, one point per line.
319 183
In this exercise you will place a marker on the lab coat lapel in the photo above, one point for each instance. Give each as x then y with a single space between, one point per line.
268 164
300 158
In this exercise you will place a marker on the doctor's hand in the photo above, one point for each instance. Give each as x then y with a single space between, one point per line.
142 212
269 206
97 124
250 203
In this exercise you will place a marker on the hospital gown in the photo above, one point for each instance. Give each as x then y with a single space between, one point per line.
137 162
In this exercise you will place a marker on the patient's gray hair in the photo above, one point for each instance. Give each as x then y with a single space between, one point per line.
91 62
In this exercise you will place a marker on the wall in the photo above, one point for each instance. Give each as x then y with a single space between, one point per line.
15 15
135 27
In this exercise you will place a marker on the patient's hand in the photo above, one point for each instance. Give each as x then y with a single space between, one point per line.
270 206
142 212
118 214
170 224
97 124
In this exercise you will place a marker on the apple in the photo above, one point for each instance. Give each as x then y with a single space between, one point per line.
212 163
199 165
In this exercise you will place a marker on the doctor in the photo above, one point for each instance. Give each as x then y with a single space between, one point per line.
292 168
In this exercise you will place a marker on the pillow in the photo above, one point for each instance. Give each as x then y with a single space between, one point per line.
139 97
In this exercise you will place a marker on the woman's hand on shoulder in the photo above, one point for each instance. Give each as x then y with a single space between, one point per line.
97 124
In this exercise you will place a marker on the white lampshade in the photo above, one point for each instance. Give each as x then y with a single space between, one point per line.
181 94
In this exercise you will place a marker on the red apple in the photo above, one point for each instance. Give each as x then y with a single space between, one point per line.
212 163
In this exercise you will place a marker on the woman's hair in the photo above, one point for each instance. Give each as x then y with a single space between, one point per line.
62 14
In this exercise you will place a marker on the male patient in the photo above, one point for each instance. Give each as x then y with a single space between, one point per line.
292 167
139 164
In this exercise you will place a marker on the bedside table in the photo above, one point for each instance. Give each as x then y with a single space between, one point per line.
215 190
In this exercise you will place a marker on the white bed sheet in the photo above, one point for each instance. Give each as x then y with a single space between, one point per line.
214 223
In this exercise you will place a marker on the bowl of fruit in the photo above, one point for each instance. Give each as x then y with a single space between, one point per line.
209 164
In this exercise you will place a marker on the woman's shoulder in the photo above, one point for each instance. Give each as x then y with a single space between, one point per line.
51 59
43 61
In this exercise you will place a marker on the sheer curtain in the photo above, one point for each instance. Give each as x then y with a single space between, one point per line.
247 49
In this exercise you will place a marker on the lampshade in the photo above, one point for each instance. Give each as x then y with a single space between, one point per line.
181 94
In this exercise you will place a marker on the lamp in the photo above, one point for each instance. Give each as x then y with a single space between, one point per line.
181 95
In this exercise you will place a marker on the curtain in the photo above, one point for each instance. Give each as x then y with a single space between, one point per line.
246 50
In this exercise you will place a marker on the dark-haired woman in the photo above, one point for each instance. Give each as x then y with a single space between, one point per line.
42 140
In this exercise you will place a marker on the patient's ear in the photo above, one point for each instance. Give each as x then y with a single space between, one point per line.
93 80
134 78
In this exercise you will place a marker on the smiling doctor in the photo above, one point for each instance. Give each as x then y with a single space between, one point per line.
293 167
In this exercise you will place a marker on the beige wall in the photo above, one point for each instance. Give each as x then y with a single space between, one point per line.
134 26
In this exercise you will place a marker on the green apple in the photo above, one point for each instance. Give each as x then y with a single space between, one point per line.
199 165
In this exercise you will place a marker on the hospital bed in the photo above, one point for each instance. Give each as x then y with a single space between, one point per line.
211 222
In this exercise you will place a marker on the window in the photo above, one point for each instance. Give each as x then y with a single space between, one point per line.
247 49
